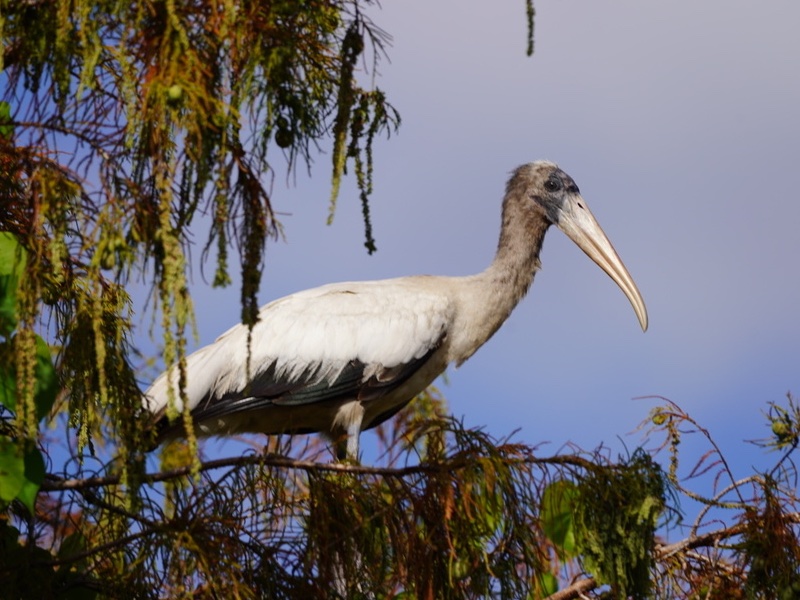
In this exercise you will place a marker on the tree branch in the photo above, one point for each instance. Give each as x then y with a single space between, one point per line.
53 483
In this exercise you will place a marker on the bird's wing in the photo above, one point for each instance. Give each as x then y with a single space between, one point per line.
347 340
356 380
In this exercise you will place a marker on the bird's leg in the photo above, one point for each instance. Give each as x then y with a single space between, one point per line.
346 445
347 429
350 418
353 435
340 449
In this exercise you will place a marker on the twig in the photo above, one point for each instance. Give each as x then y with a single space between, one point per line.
123 541
575 590
710 538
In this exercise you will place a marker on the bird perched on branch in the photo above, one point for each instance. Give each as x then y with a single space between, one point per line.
344 357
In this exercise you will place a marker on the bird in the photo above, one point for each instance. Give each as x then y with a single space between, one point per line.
345 357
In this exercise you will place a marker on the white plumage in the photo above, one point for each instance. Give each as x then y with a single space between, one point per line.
344 357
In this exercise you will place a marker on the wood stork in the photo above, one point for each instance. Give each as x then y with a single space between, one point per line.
345 357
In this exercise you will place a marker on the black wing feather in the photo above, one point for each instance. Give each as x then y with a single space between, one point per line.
267 390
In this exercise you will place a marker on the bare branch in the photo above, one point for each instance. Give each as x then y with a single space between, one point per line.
53 483
712 538
575 590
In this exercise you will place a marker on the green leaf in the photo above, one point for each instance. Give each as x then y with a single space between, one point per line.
13 553
558 516
6 130
34 475
8 381
8 304
9 535
76 588
12 470
74 543
546 584
46 380
12 256
12 265
46 385
74 582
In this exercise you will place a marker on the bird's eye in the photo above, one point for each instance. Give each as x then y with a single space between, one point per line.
552 184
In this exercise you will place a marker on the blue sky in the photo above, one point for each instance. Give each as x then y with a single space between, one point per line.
680 123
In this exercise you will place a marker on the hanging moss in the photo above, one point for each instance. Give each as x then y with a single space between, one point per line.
617 511
170 109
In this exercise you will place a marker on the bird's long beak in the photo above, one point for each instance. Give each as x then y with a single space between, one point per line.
577 221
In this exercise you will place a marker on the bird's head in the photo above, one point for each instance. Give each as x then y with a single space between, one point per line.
556 198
